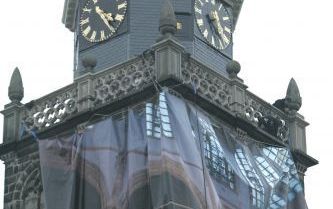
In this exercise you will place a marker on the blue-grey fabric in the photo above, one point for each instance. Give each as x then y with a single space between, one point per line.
170 155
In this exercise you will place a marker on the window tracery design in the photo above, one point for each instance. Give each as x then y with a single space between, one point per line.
257 189
214 154
267 171
278 155
157 118
282 157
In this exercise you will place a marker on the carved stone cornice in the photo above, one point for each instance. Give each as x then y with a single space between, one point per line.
94 90
207 83
117 83
50 109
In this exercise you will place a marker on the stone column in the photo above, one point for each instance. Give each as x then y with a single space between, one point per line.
168 51
297 134
238 88
85 85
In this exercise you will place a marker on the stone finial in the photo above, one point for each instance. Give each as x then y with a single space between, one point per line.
89 63
233 68
293 100
15 89
168 22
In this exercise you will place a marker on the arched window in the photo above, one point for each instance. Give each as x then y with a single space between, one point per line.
268 172
216 162
257 189
278 155
157 118
281 157
272 177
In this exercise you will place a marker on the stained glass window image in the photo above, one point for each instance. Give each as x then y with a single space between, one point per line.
216 162
257 189
157 118
267 171
282 158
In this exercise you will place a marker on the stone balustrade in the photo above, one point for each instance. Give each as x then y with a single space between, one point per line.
93 90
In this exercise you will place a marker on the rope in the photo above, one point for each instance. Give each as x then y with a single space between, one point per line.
200 143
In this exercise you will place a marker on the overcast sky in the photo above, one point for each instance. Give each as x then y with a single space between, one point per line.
273 41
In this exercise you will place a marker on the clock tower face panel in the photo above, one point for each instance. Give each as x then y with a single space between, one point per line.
214 23
139 30
101 20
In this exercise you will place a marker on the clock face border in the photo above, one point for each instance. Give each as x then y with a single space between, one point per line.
217 34
100 20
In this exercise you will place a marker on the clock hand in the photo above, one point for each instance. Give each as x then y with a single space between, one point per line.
221 30
101 13
210 22
218 28
104 17
215 23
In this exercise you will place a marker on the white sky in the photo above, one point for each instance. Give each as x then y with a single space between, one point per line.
274 41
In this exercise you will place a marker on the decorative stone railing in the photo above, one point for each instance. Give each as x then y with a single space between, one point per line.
50 109
107 86
220 91
207 83
166 60
265 116
119 82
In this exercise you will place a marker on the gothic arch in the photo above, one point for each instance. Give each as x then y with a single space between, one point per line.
93 176
176 170
28 183
31 193
29 173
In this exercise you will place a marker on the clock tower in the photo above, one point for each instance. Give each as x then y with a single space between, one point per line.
114 31
156 117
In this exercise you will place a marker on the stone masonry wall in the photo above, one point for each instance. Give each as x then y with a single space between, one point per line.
23 187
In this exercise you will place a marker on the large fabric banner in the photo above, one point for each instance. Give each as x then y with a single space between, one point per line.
170 154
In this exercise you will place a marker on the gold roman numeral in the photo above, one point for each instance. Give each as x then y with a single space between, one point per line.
93 35
85 9
84 21
86 31
213 41
225 39
119 17
205 33
226 29
123 5
225 18
200 22
103 35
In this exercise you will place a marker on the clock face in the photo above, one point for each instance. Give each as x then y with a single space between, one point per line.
100 19
214 22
